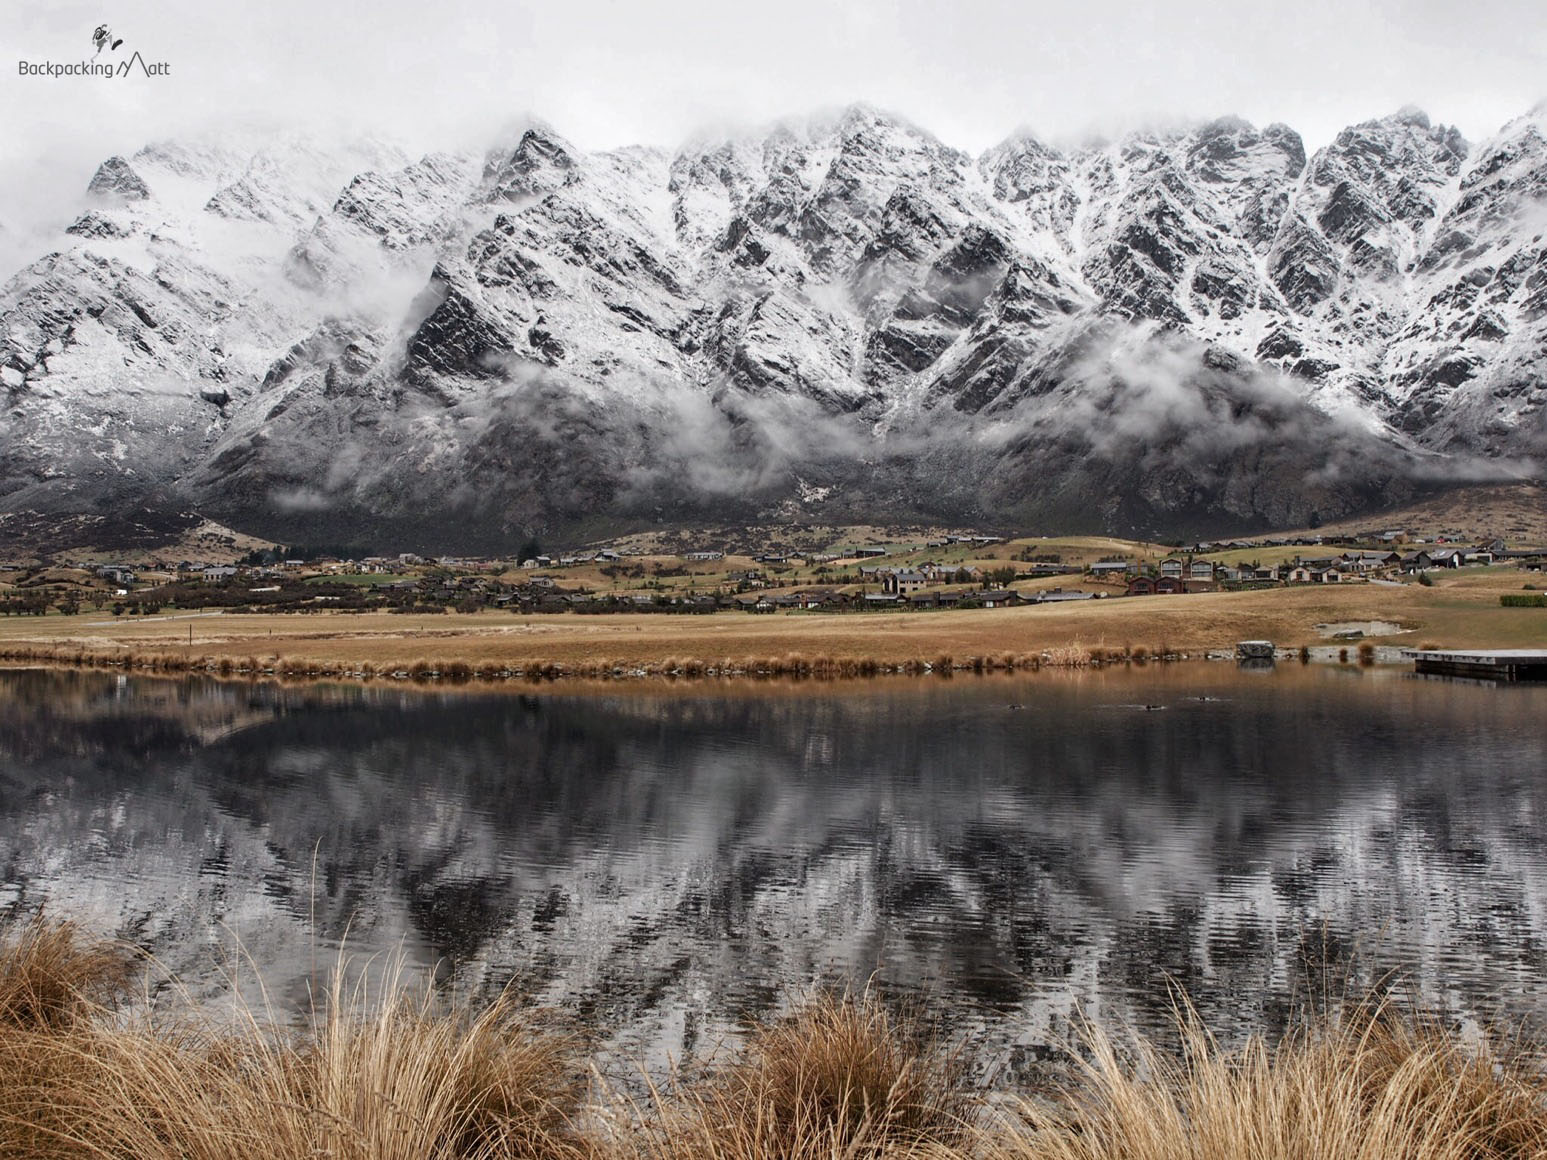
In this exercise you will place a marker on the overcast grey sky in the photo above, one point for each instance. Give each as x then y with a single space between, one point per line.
609 72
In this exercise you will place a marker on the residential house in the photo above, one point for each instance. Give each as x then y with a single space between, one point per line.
996 598
815 598
1200 570
218 572
1368 563
947 573
1114 569
1173 567
904 583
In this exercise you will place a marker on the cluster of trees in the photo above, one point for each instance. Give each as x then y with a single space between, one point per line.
32 604
266 557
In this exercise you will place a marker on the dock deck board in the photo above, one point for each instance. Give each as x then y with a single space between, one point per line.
1498 664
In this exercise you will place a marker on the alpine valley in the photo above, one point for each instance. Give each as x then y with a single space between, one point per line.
1191 331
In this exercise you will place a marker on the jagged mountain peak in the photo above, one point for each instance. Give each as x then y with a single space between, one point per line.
115 179
1399 141
291 331
858 117
541 162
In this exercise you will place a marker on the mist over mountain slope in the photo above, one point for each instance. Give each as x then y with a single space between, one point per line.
1195 330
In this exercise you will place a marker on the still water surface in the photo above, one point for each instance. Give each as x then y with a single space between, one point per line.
663 861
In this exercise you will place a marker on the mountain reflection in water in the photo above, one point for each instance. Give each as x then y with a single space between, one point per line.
664 861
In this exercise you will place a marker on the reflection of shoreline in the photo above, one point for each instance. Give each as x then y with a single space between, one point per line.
708 684
446 673
635 855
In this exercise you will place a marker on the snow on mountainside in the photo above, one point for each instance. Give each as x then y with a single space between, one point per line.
1191 329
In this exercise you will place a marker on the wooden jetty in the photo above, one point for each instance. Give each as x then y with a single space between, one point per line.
1498 664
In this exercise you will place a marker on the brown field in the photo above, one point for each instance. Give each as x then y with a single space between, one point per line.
1460 611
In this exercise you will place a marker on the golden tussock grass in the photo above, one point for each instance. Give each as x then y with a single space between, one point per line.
393 1079
392 1076
841 1077
1368 1087
52 977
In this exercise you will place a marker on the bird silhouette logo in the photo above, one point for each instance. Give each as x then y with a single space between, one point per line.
103 38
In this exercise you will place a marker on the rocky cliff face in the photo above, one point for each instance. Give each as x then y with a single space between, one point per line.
1200 329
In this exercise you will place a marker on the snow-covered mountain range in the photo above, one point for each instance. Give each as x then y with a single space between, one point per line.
1199 329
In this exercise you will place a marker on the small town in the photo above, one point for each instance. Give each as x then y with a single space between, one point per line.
947 572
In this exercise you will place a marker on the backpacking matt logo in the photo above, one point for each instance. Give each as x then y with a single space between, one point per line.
105 44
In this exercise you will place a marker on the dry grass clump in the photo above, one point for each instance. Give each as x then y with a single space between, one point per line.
408 1082
1372 1087
396 1082
842 1077
1071 656
53 978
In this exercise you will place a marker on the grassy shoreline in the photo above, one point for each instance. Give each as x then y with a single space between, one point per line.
401 1078
1462 612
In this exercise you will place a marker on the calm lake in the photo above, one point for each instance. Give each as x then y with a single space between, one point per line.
665 860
